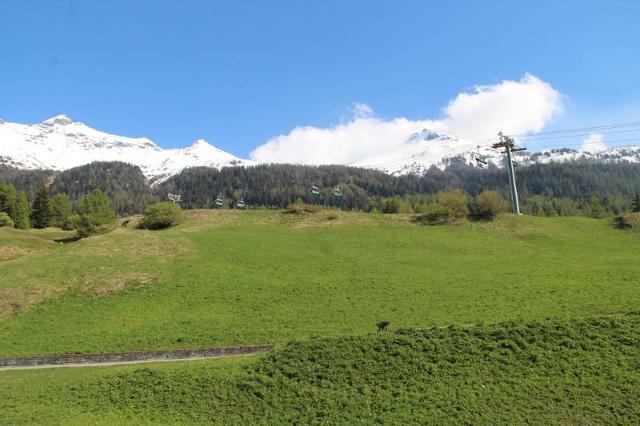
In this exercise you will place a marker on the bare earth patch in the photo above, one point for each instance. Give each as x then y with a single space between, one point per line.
14 300
12 252
120 282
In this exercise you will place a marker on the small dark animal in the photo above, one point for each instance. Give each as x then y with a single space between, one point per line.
125 223
382 325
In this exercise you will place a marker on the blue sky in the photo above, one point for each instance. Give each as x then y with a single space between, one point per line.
239 73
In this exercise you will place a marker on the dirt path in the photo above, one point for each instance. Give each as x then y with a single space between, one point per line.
125 358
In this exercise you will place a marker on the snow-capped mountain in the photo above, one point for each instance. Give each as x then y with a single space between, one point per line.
60 143
426 149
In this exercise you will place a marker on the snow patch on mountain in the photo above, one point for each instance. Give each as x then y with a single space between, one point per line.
59 143
426 149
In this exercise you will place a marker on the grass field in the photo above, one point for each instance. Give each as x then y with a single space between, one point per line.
554 372
228 277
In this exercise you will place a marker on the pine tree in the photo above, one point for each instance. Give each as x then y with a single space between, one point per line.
22 211
95 212
41 209
8 200
98 206
635 203
60 210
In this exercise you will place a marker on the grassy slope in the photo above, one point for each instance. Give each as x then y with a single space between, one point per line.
229 277
560 371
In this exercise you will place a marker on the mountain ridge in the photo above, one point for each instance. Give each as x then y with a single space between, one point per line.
426 149
60 143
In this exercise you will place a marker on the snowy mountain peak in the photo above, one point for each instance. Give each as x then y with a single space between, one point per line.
60 119
202 147
202 144
424 135
59 143
426 149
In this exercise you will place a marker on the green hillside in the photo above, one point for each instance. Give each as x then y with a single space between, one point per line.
551 372
519 320
229 277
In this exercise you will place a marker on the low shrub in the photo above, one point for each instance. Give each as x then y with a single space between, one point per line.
449 207
628 221
488 205
456 203
302 208
332 216
5 220
88 226
162 215
434 214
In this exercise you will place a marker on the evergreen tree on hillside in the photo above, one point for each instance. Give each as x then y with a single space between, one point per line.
6 221
635 203
95 213
562 188
60 210
98 206
41 209
22 211
8 199
125 184
29 181
596 209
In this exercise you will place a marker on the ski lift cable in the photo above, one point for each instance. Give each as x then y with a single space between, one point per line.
527 137
463 148
560 145
577 135
579 129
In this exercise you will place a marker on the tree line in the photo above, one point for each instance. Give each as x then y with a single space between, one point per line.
92 215
125 184
572 188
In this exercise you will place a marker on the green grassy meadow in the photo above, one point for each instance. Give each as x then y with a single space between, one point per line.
551 372
228 277
266 277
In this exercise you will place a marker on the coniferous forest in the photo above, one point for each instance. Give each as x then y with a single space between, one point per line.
578 188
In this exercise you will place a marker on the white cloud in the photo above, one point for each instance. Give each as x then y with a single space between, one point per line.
341 144
361 110
594 143
510 106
